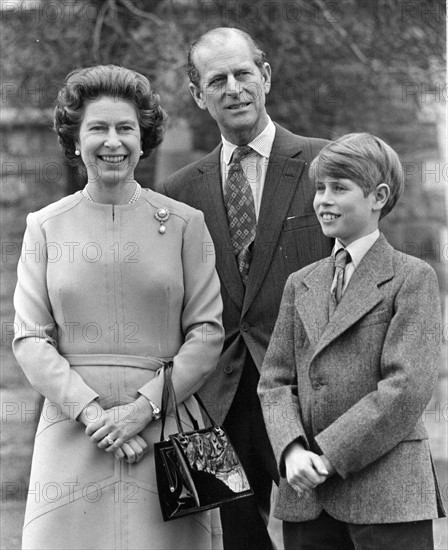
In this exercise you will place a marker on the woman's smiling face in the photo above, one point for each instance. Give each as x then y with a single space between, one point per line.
109 140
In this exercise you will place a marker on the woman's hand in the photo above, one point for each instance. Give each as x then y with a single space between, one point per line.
133 450
91 413
118 425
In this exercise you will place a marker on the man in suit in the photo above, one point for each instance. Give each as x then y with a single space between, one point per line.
350 368
257 202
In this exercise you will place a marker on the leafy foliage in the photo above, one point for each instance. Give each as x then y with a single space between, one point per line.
337 66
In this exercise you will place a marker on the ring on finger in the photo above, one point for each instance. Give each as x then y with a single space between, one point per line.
109 439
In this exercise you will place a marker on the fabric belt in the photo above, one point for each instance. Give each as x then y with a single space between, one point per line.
113 360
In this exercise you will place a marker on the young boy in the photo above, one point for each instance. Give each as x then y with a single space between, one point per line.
350 368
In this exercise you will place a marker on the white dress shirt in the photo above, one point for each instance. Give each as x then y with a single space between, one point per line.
357 250
254 165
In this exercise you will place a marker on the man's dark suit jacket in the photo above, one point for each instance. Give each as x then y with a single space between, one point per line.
288 238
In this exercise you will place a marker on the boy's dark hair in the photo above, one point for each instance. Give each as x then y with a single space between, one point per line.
365 159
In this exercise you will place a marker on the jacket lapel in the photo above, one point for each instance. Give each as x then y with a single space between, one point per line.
361 295
213 203
313 304
282 177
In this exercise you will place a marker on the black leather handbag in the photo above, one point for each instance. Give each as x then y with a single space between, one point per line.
196 470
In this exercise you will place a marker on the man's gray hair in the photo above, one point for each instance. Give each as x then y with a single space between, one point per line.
222 33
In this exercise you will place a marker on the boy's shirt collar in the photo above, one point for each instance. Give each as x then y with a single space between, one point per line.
359 248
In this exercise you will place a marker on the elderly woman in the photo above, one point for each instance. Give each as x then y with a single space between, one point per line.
117 283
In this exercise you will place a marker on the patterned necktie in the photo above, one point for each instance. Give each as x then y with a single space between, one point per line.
240 207
342 258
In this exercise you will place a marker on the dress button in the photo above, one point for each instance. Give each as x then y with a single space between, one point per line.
244 326
228 369
316 385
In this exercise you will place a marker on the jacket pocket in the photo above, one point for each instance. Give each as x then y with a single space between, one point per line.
382 316
299 222
417 434
302 242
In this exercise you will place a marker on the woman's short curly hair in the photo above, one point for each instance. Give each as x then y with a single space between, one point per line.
91 83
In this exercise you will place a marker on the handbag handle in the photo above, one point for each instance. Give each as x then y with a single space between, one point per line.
168 392
172 394
165 399
201 404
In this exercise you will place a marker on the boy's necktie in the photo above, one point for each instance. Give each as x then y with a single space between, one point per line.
240 207
342 257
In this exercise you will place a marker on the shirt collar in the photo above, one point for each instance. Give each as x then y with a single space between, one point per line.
262 144
359 248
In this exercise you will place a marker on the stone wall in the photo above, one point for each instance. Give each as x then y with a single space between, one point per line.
33 174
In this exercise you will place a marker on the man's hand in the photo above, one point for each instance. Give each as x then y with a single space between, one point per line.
305 470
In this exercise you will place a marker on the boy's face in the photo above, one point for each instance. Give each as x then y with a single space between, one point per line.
343 211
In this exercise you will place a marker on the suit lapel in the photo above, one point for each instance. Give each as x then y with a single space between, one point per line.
282 177
313 304
213 203
361 295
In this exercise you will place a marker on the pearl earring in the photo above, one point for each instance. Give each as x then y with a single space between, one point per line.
141 153
77 153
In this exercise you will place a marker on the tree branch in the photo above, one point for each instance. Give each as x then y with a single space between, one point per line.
343 33
140 13
98 27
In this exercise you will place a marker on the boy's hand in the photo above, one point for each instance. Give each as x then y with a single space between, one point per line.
305 470
328 465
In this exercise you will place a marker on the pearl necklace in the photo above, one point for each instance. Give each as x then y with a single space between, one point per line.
135 197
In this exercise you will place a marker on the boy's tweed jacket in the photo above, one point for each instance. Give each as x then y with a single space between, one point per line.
354 388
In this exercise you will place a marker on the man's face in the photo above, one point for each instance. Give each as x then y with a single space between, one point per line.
232 88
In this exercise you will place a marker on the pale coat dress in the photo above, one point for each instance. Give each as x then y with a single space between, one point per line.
100 294
354 387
